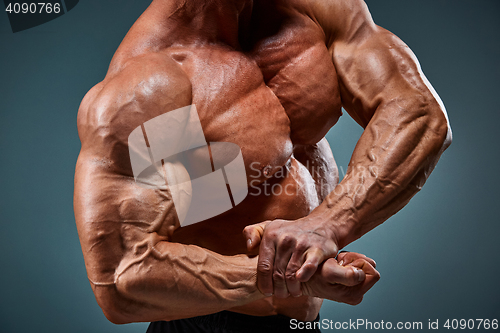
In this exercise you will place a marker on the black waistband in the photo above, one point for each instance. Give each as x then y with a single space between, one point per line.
227 321
233 320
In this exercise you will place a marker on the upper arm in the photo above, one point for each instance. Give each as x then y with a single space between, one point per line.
375 68
113 213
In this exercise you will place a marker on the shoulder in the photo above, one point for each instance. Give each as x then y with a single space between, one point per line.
342 19
146 86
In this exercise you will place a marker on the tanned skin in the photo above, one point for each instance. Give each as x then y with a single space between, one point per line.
270 76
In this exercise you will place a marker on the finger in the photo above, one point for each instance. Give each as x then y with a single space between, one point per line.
352 257
344 275
284 252
372 275
292 283
313 258
265 267
331 272
371 261
341 257
253 234
345 258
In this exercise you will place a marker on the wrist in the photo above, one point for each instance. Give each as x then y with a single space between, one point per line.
250 267
338 222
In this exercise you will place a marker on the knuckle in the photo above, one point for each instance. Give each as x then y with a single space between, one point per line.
302 246
351 277
271 233
293 267
315 252
290 276
264 268
348 257
287 240
310 265
278 276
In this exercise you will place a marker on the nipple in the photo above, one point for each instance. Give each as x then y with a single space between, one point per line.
267 170
179 57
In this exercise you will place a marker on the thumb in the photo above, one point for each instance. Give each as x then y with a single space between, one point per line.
350 275
253 234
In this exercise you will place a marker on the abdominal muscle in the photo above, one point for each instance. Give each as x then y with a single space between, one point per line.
289 194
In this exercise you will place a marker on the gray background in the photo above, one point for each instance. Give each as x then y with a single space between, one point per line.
437 257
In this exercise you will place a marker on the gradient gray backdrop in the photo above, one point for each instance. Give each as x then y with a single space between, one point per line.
438 257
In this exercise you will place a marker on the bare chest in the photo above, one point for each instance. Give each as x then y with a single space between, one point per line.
281 91
298 68
235 105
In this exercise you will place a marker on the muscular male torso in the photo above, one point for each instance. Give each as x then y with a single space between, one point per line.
261 76
275 95
294 102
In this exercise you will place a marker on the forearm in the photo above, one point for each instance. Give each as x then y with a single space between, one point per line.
393 158
136 272
172 281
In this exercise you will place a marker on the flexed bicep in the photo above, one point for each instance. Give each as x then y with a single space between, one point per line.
406 126
130 198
